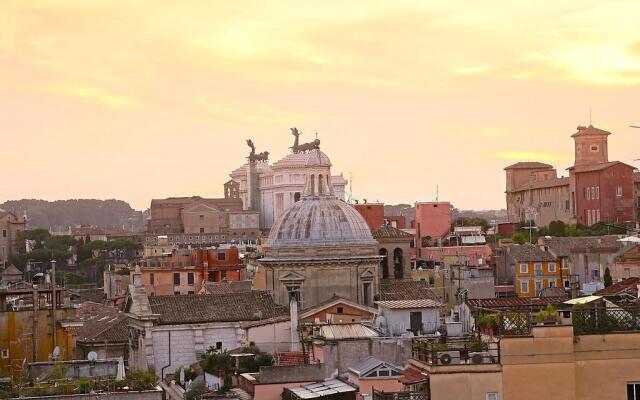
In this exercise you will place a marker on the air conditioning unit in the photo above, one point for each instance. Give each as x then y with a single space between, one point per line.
448 357
481 357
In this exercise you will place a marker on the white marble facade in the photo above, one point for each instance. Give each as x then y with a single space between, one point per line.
281 184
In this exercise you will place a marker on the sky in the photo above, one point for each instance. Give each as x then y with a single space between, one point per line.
151 99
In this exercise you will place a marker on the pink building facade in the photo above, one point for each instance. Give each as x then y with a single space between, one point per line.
432 223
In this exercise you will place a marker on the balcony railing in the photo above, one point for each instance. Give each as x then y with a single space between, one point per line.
469 351
604 320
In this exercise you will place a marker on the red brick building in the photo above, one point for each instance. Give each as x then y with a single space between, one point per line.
433 222
596 189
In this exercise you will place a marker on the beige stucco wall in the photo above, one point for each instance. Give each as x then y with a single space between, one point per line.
467 386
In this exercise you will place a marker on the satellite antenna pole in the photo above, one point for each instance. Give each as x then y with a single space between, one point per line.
437 192
590 121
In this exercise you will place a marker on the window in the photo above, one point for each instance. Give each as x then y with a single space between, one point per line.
340 310
366 289
538 287
201 217
538 269
552 284
524 268
176 278
619 191
221 257
4 233
594 148
633 391
5 353
176 293
588 193
524 286
152 278
219 345
552 267
597 192
432 280
191 292
201 230
190 278
491 396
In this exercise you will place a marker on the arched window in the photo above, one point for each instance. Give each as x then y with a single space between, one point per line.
320 185
398 270
313 185
384 263
296 197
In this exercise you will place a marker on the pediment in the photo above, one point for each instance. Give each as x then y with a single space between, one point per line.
291 276
200 207
367 274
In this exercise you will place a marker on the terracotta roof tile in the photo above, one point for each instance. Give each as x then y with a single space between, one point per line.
529 165
101 324
230 307
405 290
390 232
628 286
529 253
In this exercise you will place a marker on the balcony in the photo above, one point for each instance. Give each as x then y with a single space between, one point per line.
455 352
605 320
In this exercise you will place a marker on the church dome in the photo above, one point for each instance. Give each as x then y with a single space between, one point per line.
320 221
317 158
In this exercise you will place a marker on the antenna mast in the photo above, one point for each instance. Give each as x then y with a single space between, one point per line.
350 188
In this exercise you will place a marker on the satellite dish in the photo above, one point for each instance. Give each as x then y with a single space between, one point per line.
56 353
92 356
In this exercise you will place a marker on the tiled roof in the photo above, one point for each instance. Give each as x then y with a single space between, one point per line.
230 307
288 358
95 295
565 181
268 321
412 376
590 130
227 287
529 165
506 303
102 324
11 270
564 246
404 304
529 252
598 167
552 292
405 290
390 232
628 286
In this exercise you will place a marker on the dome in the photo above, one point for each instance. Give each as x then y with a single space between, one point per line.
317 158
320 221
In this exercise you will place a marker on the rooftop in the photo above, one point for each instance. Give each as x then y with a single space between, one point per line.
406 304
389 232
564 246
590 130
626 286
508 303
346 331
101 324
229 307
529 165
326 389
405 290
370 363
529 253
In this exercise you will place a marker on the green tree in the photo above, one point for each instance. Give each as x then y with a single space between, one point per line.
556 228
608 281
520 237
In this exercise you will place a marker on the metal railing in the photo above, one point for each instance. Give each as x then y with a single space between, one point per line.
469 351
382 395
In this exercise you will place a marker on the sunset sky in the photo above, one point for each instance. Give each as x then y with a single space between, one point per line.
148 99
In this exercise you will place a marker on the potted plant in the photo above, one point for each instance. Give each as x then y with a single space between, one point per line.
548 316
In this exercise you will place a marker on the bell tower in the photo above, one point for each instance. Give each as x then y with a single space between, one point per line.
590 146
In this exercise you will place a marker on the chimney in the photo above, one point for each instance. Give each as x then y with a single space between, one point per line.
293 312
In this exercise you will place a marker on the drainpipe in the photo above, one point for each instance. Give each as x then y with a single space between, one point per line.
168 365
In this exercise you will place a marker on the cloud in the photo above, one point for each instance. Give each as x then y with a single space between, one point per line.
532 156
94 94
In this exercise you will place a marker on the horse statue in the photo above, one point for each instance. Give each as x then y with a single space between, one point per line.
253 148
303 148
264 156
